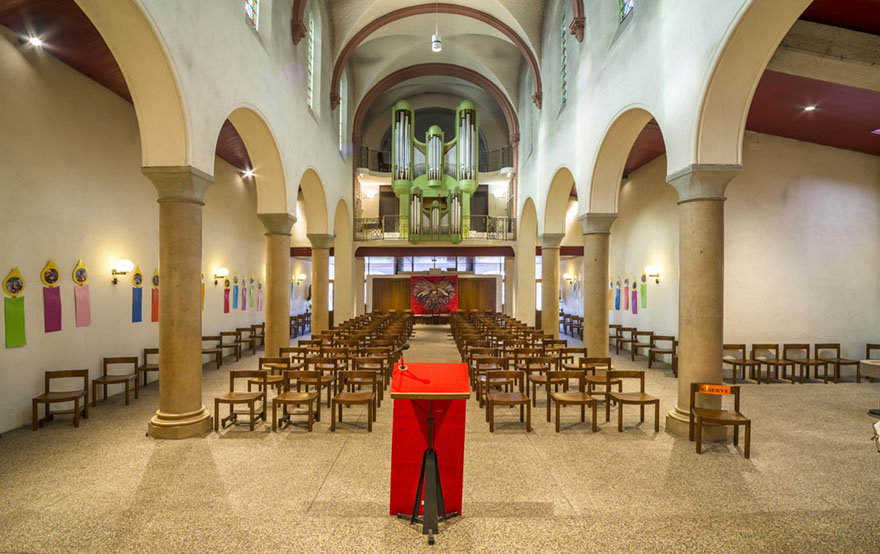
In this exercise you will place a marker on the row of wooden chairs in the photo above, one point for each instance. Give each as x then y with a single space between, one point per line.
299 323
764 359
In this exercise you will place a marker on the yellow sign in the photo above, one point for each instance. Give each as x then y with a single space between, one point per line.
50 274
722 390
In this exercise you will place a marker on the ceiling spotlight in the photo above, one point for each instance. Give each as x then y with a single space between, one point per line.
35 41
809 108
248 172
436 41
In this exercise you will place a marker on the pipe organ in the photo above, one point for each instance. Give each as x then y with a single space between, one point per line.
434 179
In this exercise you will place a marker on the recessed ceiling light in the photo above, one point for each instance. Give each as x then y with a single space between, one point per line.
809 108
248 173
35 41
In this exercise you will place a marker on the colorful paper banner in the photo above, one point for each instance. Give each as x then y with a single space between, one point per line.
260 300
635 303
51 309
225 301
154 311
243 297
644 296
235 297
137 297
13 312
82 304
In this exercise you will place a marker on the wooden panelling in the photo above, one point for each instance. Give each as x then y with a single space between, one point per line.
476 293
391 294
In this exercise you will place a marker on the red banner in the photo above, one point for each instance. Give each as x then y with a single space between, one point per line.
434 294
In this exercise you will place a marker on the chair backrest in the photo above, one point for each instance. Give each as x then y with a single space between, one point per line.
648 334
790 351
280 360
764 347
297 375
630 330
236 374
623 375
212 338
741 348
297 353
244 332
369 363
526 353
148 352
325 363
517 376
715 389
121 361
542 363
569 353
819 347
344 377
869 348
600 364
484 364
670 339
66 374
567 375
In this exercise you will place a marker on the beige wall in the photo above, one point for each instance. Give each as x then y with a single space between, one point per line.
72 188
801 236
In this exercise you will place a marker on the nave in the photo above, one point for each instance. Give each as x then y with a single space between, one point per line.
107 487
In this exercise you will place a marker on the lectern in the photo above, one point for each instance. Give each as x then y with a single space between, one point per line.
427 444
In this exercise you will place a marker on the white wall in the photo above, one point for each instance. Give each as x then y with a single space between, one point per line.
801 246
72 188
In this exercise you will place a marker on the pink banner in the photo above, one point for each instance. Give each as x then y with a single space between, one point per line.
225 301
83 305
635 302
259 300
52 309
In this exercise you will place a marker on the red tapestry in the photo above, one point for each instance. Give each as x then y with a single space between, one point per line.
434 294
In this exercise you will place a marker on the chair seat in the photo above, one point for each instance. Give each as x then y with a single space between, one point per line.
776 362
60 396
293 396
149 367
841 361
508 398
600 380
543 379
633 397
114 379
572 397
267 380
719 416
324 380
662 351
239 396
211 350
362 397
811 361
743 363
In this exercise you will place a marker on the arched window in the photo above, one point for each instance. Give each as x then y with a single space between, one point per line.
563 61
626 7
310 80
252 12
343 111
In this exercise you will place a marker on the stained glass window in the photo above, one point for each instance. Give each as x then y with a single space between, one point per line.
563 88
311 66
626 7
252 11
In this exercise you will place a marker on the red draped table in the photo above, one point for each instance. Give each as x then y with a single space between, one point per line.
429 407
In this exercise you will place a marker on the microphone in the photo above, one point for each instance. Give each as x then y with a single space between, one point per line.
401 349
402 365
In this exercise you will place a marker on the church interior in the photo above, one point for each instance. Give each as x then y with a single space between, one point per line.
620 203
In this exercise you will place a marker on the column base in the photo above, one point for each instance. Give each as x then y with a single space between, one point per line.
180 426
678 423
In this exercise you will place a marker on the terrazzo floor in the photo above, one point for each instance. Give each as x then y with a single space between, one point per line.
811 484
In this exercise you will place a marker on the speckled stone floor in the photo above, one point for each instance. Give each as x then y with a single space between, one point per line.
811 484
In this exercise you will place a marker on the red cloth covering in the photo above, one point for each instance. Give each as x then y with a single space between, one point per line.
434 294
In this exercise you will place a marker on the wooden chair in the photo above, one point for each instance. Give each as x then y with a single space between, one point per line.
700 415
483 366
538 371
214 350
246 339
639 399
803 362
512 398
737 364
613 333
126 379
234 398
639 345
553 346
272 370
297 355
148 366
627 337
327 380
572 398
229 339
569 357
774 364
258 333
296 398
376 365
658 349
599 367
50 397
347 396
836 361
382 353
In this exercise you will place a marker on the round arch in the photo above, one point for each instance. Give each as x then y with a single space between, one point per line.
315 201
262 149
527 241
158 103
556 201
343 260
452 9
737 69
611 157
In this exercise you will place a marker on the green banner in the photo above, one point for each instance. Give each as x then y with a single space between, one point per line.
14 317
644 295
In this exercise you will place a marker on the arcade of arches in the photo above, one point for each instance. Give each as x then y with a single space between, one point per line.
710 174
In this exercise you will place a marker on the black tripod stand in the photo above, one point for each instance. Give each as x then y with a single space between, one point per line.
429 477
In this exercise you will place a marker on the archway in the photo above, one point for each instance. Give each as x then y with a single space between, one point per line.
267 167
343 258
315 202
525 263
556 201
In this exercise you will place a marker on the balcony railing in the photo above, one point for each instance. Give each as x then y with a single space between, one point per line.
388 228
380 161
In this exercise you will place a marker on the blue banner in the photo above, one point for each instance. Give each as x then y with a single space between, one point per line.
137 297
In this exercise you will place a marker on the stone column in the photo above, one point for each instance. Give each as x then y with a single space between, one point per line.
597 232
181 413
320 281
701 286
550 243
277 280
524 284
509 270
360 271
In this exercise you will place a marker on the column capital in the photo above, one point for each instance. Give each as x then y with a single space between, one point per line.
597 223
179 183
320 241
277 224
703 181
551 240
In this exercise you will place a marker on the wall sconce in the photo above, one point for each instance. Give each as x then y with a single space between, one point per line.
568 277
653 271
370 191
299 278
122 267
220 273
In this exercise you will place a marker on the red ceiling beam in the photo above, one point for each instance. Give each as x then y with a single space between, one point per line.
421 9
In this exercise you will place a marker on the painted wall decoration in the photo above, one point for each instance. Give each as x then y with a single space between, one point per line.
137 295
617 294
610 295
260 296
13 309
81 300
251 291
625 292
434 294
235 292
226 284
635 298
154 306
644 291
51 298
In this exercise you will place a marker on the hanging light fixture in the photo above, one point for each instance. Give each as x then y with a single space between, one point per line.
436 41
